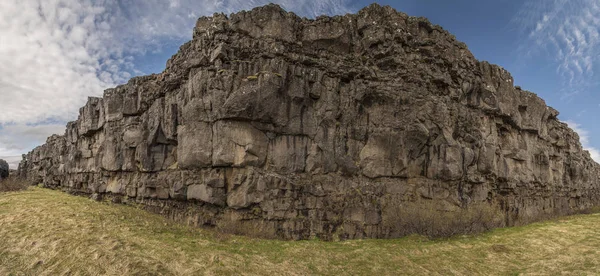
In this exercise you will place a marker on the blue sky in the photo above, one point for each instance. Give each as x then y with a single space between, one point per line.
56 53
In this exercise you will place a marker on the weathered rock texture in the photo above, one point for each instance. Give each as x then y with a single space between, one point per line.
4 171
317 127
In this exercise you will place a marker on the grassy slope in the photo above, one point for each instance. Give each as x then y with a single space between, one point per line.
44 232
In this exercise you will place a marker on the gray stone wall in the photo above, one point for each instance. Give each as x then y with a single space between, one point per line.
317 128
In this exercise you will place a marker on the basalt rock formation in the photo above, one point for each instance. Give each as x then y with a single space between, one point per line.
4 171
318 128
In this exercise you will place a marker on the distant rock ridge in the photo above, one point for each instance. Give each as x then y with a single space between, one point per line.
320 128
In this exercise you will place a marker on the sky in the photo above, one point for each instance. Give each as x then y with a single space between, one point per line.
54 54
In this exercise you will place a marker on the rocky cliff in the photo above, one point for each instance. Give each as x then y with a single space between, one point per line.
321 128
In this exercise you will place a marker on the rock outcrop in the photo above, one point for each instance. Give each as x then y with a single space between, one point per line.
4 170
319 128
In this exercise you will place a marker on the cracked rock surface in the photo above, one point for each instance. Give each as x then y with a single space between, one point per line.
314 128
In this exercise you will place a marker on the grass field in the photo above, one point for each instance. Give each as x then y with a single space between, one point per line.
45 232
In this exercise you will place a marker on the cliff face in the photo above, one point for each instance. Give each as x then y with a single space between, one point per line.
316 127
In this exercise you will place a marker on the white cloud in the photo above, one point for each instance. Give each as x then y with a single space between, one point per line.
56 53
13 161
568 31
16 139
584 138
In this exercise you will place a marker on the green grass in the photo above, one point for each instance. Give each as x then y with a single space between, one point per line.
45 232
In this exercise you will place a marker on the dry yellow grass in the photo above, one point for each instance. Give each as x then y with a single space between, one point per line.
44 232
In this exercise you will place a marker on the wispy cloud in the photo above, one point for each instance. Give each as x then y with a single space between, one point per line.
567 34
585 140
56 53
567 31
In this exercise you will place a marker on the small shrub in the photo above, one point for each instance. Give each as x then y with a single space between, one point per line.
429 219
12 184
591 210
